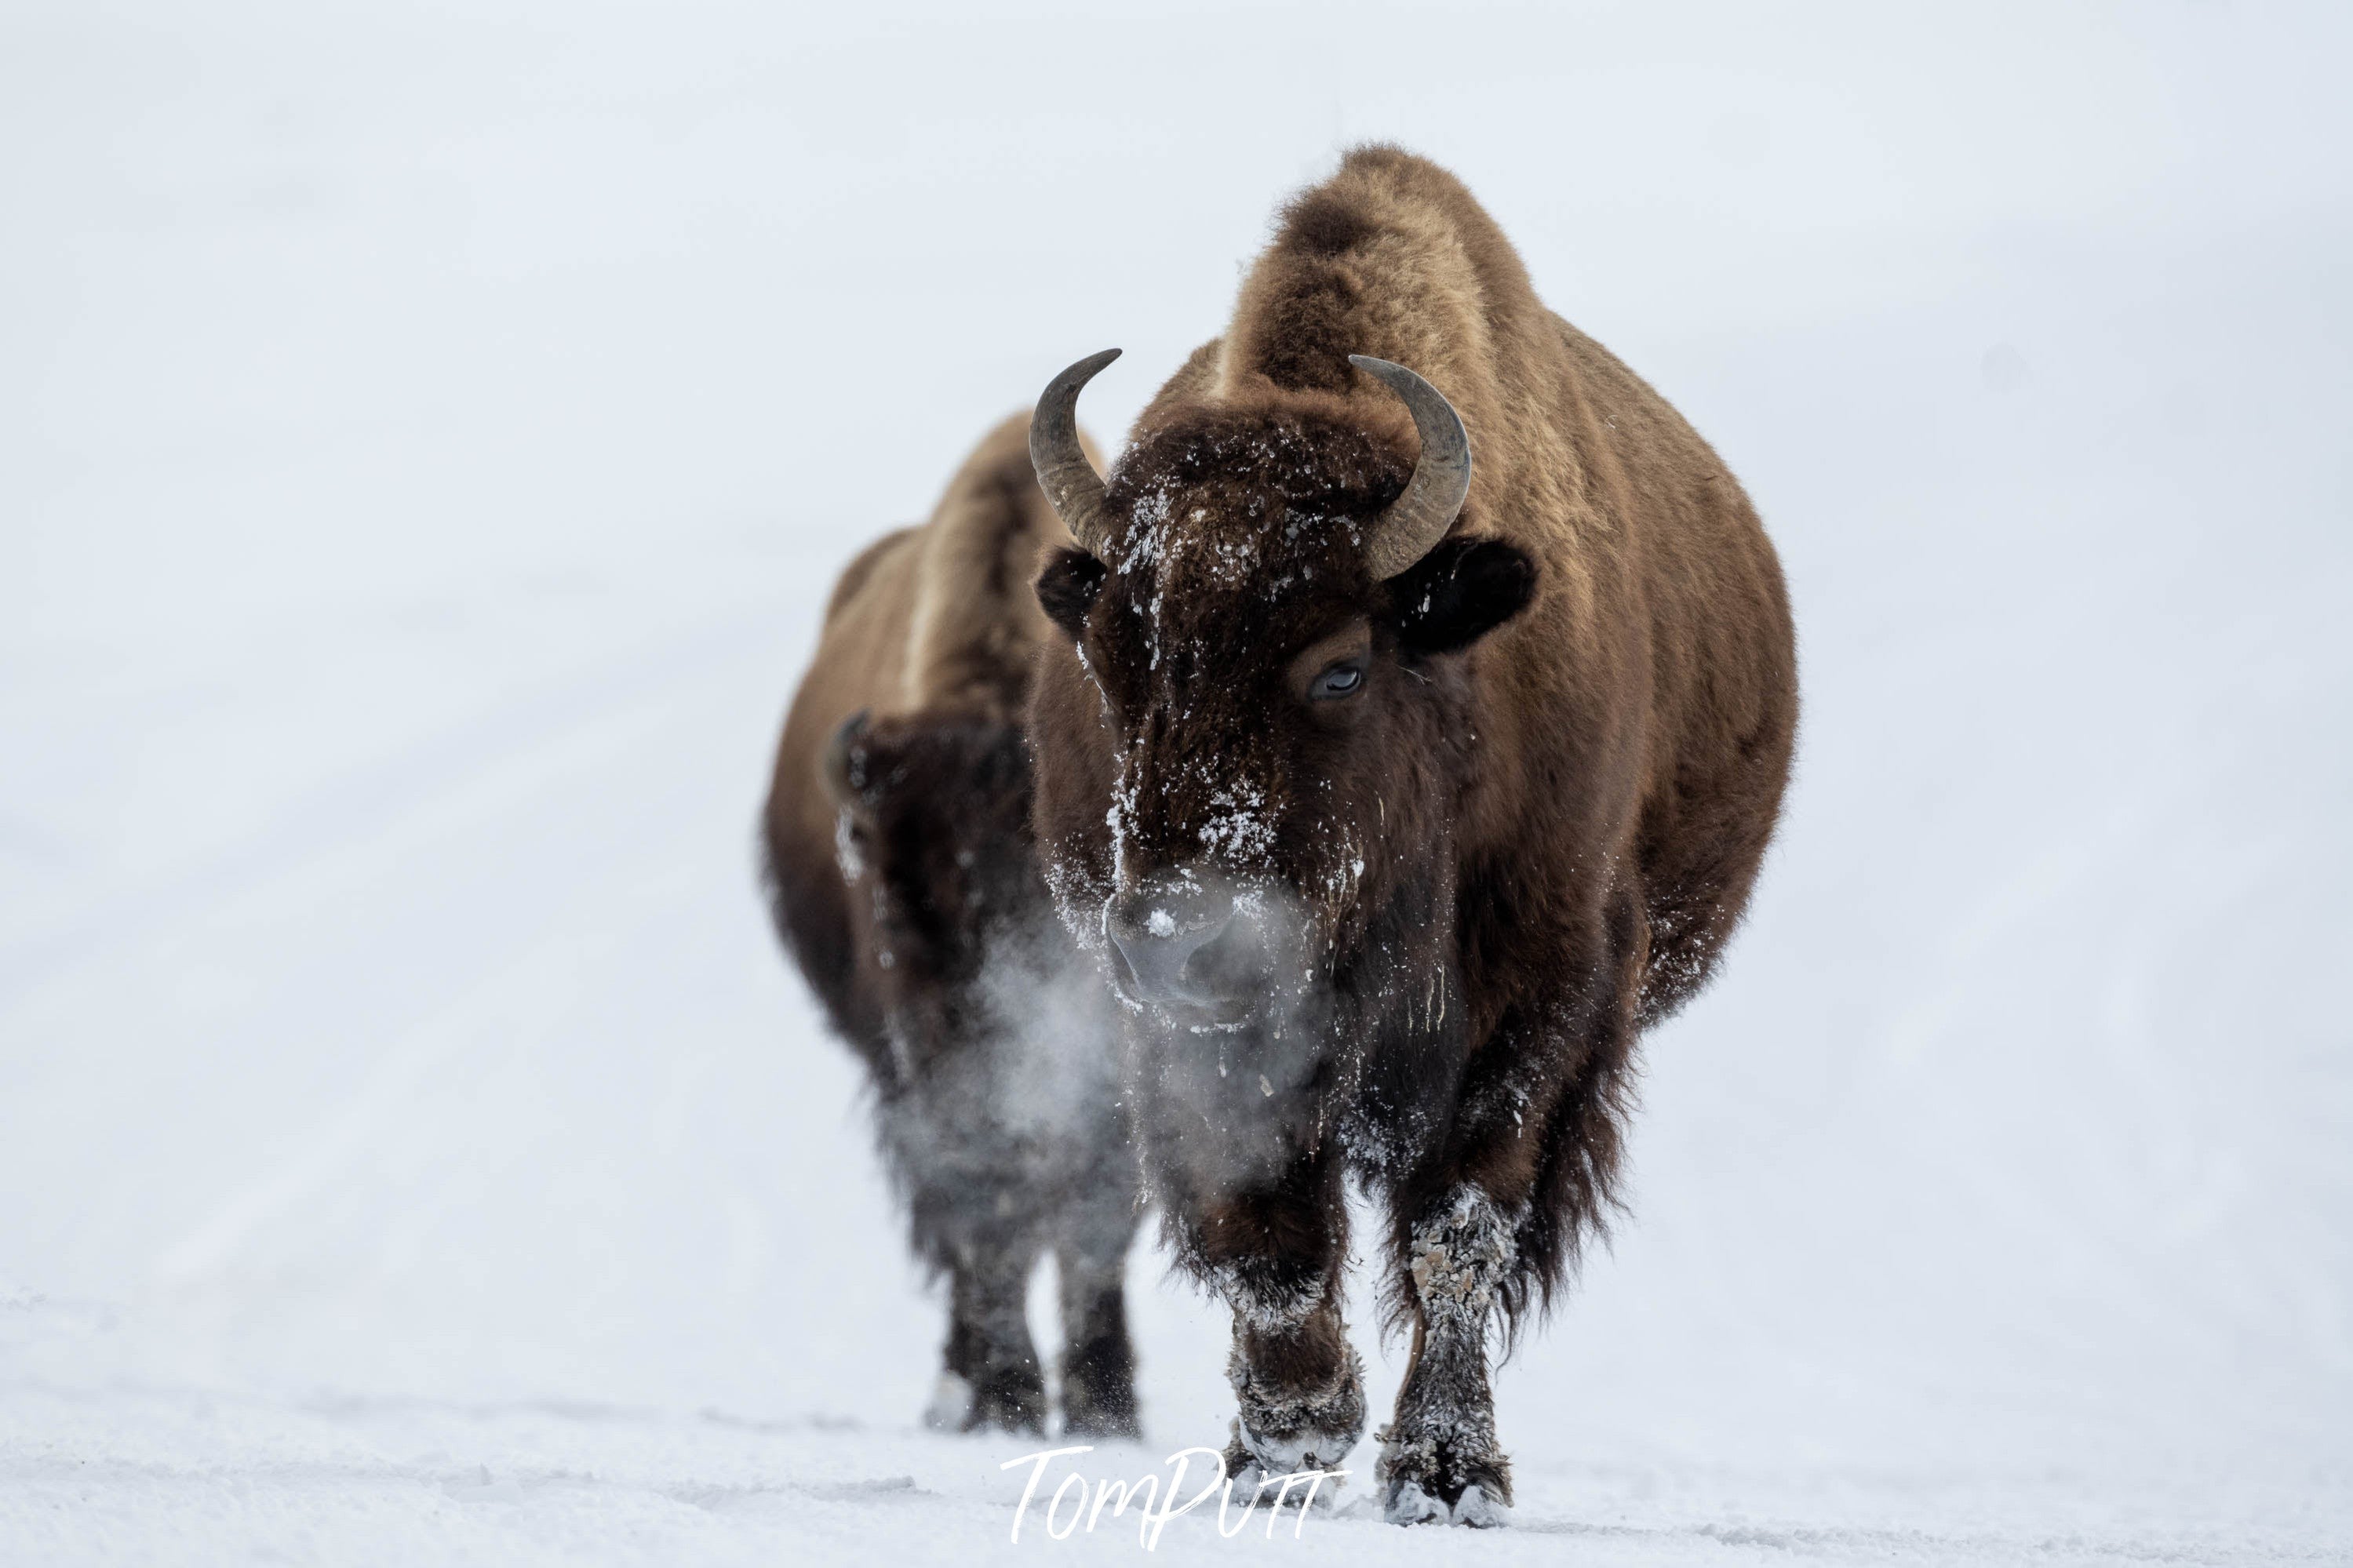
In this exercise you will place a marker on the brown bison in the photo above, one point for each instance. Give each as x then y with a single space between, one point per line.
904 880
1399 792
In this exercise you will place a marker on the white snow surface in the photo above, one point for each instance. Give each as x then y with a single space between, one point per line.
426 436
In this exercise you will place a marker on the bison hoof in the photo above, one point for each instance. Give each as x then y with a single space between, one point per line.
950 1405
1107 1415
1425 1482
1285 1434
1250 1482
1005 1404
1294 1453
1409 1504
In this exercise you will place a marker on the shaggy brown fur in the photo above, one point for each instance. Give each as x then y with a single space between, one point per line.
1467 883
904 881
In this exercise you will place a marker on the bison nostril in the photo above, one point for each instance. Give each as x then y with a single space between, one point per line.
1158 928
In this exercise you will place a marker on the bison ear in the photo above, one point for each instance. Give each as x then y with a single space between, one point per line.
1460 592
1066 589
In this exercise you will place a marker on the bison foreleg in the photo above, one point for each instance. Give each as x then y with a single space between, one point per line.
1098 1360
1299 1391
992 1378
1526 1178
1440 1460
1276 1256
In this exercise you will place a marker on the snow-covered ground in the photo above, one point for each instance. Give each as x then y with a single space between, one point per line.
425 436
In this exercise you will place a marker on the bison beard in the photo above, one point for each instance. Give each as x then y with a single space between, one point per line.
1395 797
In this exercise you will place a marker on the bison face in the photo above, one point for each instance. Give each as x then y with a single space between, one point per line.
935 844
1248 767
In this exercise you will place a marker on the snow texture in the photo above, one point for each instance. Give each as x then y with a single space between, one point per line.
430 435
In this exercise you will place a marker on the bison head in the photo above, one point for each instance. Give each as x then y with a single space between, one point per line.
933 835
1247 774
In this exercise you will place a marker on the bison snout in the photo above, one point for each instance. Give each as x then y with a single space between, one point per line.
1161 929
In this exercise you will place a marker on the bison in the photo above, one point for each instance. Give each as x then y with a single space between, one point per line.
1397 793
904 880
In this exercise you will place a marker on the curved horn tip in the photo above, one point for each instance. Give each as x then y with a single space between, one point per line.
1076 374
1069 480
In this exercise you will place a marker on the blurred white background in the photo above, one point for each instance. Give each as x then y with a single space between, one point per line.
425 436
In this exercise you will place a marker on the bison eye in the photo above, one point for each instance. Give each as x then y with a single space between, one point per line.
1342 679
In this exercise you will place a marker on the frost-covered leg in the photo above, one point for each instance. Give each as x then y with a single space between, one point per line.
1440 1460
992 1378
1299 1393
1299 1388
1098 1360
1484 1229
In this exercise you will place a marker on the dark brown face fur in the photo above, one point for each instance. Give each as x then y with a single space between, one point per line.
935 844
1271 727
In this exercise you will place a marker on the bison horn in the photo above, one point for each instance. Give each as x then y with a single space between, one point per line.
1069 481
1418 519
838 782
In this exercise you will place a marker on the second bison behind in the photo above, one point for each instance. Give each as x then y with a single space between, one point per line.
906 885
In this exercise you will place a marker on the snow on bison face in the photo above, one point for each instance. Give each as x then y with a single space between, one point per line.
1257 749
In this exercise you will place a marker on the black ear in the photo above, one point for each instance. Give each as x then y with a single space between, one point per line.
1066 589
1460 591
